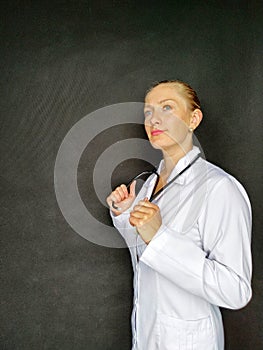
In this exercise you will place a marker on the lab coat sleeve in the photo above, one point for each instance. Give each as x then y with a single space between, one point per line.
122 224
220 270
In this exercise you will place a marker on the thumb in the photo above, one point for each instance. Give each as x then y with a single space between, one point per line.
132 189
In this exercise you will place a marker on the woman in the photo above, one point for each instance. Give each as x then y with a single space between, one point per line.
192 250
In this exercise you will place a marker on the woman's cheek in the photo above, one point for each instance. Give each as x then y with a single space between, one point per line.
148 131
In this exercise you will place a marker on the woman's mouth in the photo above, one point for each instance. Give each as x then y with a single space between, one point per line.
156 132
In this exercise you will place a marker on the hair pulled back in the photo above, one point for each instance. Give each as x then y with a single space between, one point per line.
184 89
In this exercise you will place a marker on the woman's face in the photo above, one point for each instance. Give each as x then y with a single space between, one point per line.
167 118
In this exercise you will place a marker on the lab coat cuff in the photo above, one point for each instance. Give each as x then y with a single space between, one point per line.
122 220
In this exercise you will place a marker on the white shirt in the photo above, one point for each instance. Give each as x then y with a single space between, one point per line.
199 259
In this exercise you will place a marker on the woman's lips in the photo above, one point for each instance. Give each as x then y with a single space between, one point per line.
156 132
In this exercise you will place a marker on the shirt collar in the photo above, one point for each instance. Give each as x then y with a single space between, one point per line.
182 163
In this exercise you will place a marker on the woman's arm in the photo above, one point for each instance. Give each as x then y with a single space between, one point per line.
220 271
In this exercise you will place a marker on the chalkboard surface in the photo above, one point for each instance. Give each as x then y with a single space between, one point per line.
63 60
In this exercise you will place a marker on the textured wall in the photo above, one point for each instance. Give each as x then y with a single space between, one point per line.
60 61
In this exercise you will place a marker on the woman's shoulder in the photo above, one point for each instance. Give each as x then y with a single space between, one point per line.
222 182
216 173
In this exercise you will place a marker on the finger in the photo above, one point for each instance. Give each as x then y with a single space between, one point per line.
120 192
132 188
111 198
113 205
139 215
116 197
135 222
143 209
148 204
125 190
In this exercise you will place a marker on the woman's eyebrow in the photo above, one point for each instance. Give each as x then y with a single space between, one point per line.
168 99
148 106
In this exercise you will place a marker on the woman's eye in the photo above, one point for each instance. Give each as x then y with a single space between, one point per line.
147 114
166 108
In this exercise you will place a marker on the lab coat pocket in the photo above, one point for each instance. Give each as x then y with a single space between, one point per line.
177 334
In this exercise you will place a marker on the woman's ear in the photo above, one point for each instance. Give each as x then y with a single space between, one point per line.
196 118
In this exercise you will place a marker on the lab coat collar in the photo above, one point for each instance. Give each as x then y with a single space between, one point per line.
182 163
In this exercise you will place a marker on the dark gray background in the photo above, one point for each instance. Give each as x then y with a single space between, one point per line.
61 60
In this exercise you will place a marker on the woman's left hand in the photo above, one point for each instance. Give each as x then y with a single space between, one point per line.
146 217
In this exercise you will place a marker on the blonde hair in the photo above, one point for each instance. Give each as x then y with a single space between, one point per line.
184 89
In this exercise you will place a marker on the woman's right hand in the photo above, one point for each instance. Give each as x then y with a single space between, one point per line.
121 198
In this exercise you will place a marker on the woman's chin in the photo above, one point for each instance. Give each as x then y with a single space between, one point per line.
157 145
154 144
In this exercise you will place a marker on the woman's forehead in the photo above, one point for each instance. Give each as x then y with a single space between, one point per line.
162 93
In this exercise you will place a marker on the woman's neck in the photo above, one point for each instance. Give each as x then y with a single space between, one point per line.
171 158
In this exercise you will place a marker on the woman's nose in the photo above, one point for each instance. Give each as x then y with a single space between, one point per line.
155 118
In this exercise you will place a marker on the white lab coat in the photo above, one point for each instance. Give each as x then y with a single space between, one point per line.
199 259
